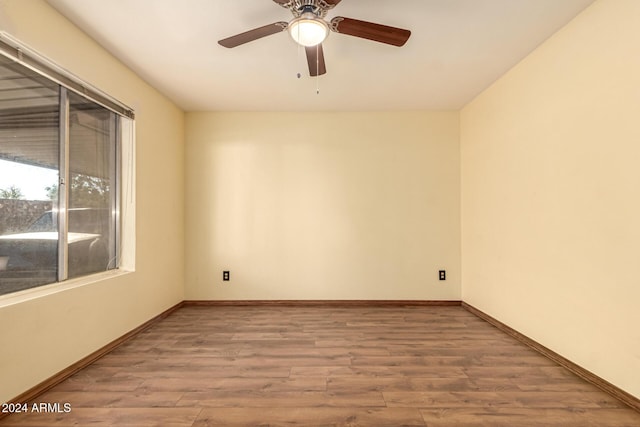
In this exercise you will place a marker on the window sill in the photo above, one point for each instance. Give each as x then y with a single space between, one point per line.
54 288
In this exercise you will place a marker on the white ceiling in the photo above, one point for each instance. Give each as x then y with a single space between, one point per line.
456 50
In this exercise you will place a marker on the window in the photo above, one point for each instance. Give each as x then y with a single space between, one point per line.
60 178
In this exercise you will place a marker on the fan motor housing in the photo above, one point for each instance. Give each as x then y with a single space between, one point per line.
317 7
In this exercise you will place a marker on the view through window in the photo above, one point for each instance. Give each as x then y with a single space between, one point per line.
59 181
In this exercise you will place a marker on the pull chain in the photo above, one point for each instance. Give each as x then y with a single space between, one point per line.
299 50
318 69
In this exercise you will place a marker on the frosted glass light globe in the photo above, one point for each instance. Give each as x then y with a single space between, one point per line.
308 30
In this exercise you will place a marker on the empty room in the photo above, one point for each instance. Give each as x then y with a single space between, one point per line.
319 213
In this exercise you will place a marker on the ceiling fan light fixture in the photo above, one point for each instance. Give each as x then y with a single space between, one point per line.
308 29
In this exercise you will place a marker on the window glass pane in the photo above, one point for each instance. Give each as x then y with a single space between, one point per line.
29 158
91 213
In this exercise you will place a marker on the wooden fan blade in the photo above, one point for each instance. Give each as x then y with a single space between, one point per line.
368 30
255 34
315 59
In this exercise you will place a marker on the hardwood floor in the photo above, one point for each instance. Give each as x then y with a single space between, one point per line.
326 366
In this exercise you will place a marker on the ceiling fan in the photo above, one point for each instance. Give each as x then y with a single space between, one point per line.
309 29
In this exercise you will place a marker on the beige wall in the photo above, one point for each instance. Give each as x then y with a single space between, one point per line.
551 194
322 205
44 335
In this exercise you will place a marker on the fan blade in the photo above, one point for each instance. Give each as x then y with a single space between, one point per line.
332 2
255 34
315 59
368 30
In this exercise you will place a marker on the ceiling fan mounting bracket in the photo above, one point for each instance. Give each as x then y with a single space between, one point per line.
335 23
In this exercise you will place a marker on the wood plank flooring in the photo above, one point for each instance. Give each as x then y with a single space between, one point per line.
326 366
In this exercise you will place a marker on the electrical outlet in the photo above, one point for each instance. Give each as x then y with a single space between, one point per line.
442 275
225 276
